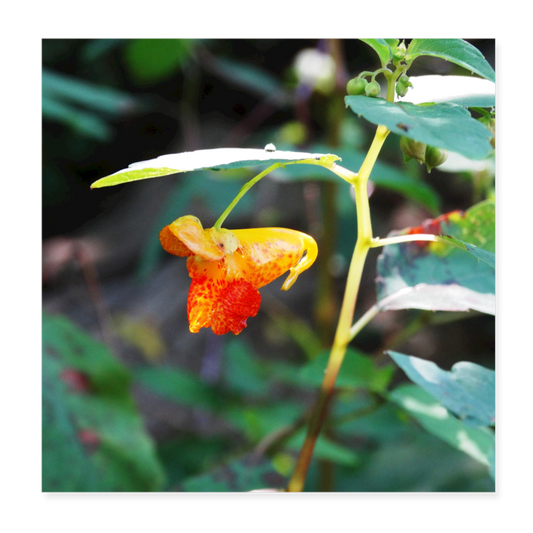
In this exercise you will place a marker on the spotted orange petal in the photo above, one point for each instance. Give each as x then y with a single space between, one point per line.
264 254
236 303
201 303
222 306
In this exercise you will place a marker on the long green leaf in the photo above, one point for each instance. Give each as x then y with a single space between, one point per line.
216 159
87 94
457 51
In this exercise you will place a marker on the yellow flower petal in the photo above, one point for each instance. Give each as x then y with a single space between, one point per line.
268 253
189 232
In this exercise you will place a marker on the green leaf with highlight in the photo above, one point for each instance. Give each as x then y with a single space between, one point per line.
478 443
439 277
215 159
468 390
443 125
457 51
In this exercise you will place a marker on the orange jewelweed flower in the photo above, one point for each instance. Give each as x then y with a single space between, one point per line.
227 267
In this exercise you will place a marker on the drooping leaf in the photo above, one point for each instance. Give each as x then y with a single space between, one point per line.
457 51
444 125
468 390
216 159
478 443
382 48
93 437
465 91
436 276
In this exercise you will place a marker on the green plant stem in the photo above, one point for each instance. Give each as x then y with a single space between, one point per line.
247 186
375 309
364 320
244 189
342 335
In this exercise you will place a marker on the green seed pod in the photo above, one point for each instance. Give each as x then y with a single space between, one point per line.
373 89
412 150
356 86
434 157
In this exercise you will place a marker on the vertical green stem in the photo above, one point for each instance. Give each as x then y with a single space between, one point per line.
342 335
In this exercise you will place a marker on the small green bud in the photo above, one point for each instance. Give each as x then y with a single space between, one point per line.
434 157
373 89
400 51
401 89
412 150
356 86
403 84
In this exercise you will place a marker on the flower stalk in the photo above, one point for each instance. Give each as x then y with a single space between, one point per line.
244 189
343 334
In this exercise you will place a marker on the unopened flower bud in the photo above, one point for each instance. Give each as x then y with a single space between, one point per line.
373 89
400 51
435 157
403 84
412 149
356 86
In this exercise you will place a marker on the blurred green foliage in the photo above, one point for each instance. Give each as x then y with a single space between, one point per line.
88 416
